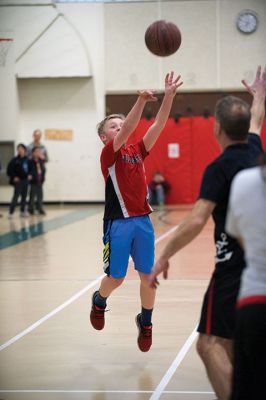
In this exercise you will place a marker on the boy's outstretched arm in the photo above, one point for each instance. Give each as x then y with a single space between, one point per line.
133 118
154 131
258 90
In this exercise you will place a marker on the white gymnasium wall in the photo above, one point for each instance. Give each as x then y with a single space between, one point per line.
77 103
147 70
239 53
213 55
9 111
109 44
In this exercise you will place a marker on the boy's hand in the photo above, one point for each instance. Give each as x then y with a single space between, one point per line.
147 95
172 84
259 84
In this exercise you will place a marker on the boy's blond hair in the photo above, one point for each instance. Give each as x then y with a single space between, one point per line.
101 125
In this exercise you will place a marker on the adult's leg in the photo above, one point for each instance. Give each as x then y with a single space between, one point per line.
24 192
14 201
217 355
39 194
32 198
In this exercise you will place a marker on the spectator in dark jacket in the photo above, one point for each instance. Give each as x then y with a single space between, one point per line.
18 172
37 177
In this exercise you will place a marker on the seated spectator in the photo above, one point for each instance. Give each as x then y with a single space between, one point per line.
18 172
158 187
37 176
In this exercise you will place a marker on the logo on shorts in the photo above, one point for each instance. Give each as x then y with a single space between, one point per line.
222 253
106 254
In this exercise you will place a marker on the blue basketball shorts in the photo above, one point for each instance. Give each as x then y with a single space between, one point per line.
127 237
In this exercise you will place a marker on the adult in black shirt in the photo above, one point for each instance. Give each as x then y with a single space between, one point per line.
233 121
18 172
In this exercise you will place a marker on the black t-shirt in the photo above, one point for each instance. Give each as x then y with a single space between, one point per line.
215 187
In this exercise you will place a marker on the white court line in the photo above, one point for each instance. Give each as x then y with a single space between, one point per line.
162 237
50 314
177 361
99 391
66 303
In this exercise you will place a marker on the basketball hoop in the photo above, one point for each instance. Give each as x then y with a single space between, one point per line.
5 44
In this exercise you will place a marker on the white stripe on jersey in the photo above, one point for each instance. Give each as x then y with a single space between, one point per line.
117 191
147 195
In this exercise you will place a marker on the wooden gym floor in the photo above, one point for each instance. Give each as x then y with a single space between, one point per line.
49 268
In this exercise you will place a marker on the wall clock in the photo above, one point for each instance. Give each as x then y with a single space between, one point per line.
247 21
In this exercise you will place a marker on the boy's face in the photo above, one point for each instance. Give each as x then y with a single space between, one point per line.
111 129
21 151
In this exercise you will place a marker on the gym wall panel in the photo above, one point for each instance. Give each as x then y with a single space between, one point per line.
73 171
197 148
212 59
239 53
204 149
125 29
213 55
177 171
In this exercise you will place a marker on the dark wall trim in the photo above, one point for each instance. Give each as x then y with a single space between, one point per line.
186 104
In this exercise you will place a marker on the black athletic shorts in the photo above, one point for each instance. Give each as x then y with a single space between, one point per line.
249 376
218 309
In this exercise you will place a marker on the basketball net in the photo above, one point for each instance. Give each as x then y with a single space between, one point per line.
4 47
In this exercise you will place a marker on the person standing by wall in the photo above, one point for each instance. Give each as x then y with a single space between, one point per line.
37 175
18 172
37 135
43 159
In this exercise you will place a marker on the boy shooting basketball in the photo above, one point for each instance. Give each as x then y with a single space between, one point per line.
127 227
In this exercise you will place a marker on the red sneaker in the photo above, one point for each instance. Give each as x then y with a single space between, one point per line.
97 315
145 335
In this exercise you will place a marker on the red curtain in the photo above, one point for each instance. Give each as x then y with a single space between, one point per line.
197 146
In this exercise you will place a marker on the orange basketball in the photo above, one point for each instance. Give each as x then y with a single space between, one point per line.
163 38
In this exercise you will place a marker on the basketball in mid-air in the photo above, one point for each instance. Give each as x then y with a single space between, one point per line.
163 38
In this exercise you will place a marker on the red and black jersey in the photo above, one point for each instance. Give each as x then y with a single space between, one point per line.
126 187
